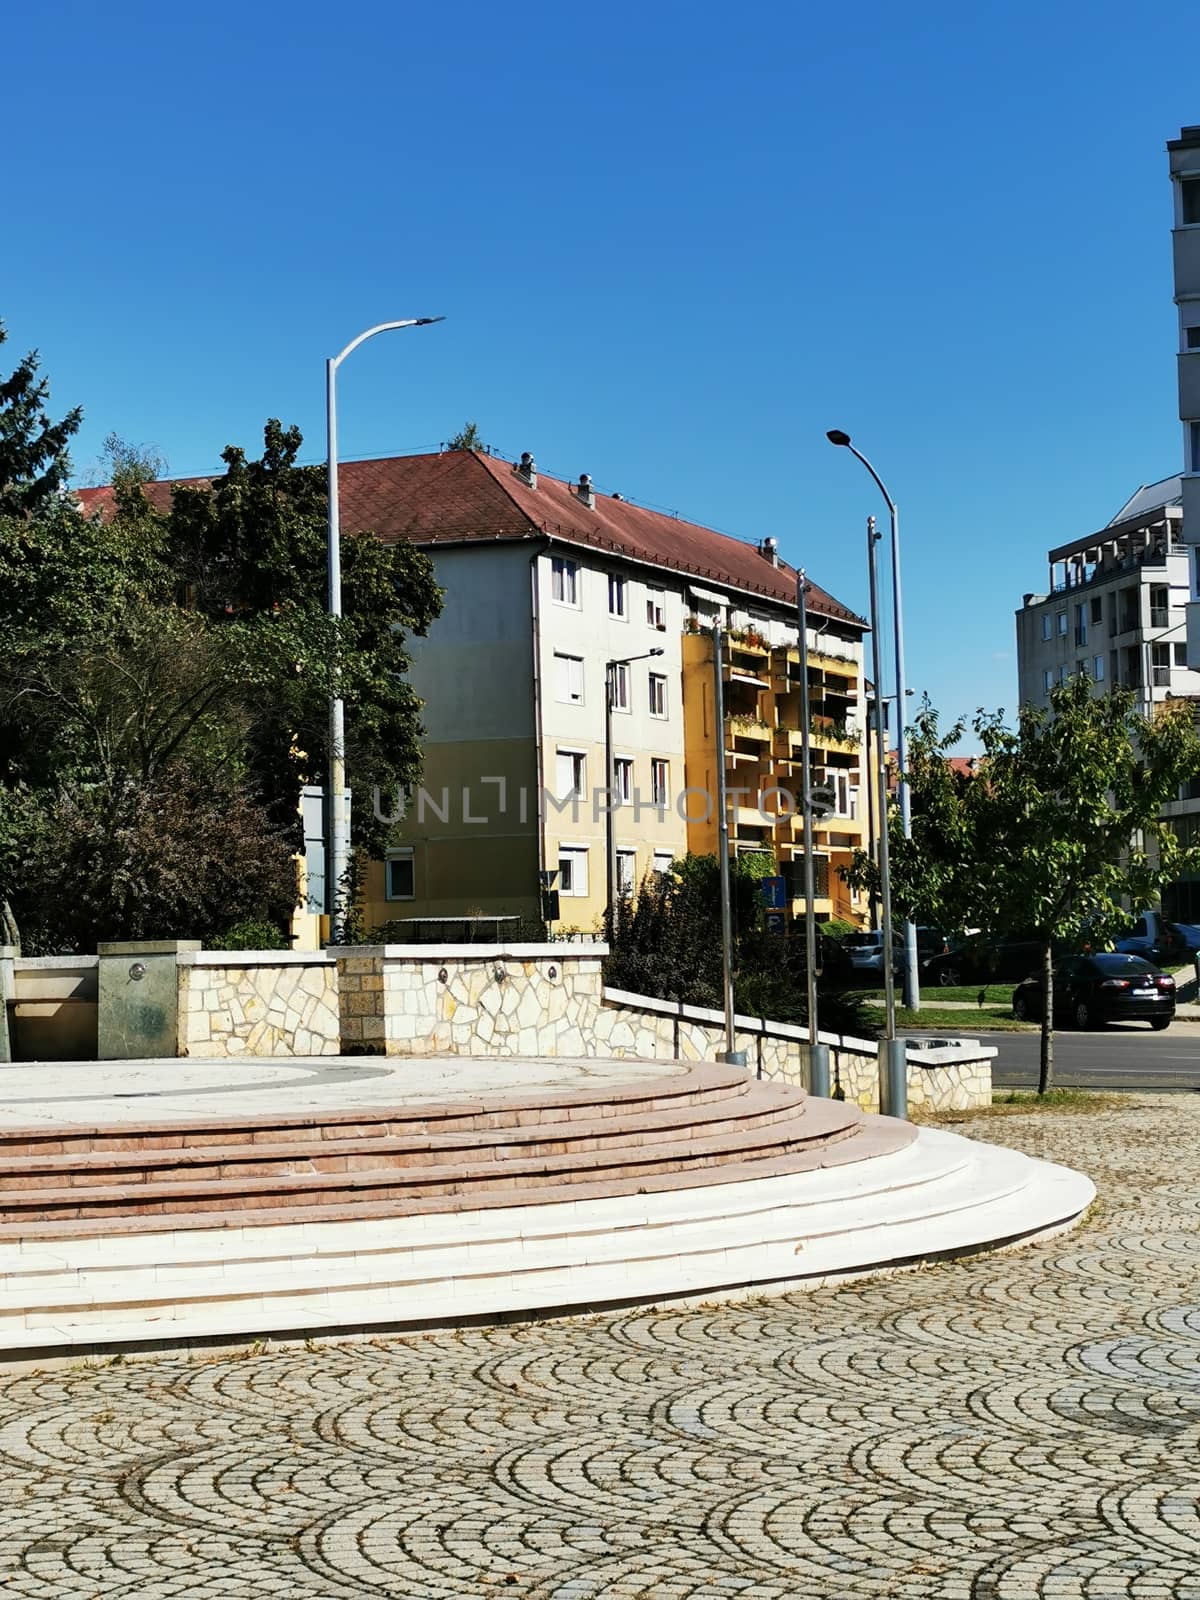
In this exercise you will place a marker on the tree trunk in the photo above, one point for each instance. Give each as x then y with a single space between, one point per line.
9 932
1046 1064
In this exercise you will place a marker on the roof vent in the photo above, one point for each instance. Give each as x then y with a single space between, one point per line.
616 495
526 469
769 550
585 491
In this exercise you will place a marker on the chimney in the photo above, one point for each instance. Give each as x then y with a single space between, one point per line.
769 550
526 469
585 491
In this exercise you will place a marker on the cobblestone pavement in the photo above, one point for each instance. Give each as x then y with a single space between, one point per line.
1011 1426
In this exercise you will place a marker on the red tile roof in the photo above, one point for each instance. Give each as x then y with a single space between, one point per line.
461 496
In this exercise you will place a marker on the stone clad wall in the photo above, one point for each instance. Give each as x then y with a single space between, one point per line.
268 1003
550 1000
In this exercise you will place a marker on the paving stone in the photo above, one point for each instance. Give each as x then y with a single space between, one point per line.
1014 1427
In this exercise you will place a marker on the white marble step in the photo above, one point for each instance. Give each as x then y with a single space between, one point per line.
941 1195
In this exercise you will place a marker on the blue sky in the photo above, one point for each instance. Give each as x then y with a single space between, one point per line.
674 244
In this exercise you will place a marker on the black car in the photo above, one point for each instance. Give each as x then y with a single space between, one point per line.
1108 987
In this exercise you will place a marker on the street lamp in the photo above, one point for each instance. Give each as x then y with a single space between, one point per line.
912 991
336 825
610 774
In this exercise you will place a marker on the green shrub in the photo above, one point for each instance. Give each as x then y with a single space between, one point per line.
251 933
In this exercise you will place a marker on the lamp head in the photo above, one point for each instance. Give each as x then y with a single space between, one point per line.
658 651
836 436
423 322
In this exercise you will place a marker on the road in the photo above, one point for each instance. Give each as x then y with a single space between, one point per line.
1124 1056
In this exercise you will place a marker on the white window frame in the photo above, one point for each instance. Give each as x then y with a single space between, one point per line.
626 884
623 770
659 679
569 671
1047 679
578 760
618 588
656 607
577 856
660 793
663 861
393 857
619 680
1098 669
564 582
1047 625
1061 624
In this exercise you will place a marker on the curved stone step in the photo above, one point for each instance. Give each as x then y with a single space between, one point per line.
702 1084
765 1105
938 1194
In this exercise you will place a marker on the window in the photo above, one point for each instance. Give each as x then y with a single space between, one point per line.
569 670
1064 672
1047 680
1160 666
1080 625
572 870
623 779
626 873
1194 446
1047 625
400 876
1189 192
658 695
1192 337
571 773
656 608
1181 655
618 685
1097 610
1098 669
618 597
660 781
663 860
564 580
1062 623
1160 605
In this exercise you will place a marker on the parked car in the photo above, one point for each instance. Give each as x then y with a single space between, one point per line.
1190 933
1155 939
866 952
983 959
1110 986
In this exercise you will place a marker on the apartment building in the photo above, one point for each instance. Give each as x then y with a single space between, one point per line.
552 593
1115 607
1184 162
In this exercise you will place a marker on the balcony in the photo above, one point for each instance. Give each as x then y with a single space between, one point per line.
753 729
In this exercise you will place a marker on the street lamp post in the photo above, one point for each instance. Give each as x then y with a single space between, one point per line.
912 988
336 830
610 777
893 1055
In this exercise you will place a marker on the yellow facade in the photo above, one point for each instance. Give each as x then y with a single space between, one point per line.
760 744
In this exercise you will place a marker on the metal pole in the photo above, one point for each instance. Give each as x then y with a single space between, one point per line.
892 1052
336 888
912 982
818 1054
610 828
731 1052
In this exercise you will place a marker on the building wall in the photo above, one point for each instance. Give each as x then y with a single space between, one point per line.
473 829
1184 159
762 744
589 632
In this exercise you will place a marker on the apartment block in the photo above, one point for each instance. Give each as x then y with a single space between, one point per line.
555 597
1115 607
1184 158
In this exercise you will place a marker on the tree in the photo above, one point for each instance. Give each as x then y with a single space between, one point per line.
466 439
1057 836
663 946
34 464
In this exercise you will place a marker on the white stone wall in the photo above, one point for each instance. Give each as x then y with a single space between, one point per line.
268 1004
